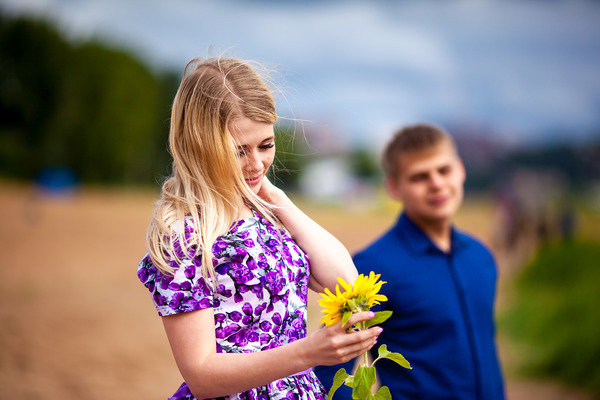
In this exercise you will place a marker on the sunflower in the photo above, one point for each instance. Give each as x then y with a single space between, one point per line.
358 297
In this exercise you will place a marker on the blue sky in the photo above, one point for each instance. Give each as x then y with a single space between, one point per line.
522 70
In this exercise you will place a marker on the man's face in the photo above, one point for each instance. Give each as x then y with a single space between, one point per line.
430 184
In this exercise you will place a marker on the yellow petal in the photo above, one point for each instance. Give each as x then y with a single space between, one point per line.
344 284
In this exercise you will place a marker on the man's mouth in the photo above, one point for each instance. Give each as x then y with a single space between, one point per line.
438 201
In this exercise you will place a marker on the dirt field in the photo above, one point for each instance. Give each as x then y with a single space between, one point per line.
76 324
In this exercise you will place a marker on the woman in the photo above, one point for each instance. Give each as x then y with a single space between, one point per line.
228 252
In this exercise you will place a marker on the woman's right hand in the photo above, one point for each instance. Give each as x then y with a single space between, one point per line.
333 344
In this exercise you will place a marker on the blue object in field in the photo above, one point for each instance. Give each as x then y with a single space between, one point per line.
57 180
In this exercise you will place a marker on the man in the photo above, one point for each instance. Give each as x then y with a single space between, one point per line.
441 282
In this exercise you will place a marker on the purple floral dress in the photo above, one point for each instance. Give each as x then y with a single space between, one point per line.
259 299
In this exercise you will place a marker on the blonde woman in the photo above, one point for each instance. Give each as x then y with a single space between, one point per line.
228 253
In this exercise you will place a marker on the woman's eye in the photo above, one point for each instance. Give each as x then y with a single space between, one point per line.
241 152
267 146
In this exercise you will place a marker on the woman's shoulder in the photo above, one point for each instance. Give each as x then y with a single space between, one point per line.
242 236
252 237
183 291
255 227
180 254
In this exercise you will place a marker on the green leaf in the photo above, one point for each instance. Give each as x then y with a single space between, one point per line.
349 381
379 318
364 379
346 317
338 379
396 357
383 351
352 304
383 394
399 359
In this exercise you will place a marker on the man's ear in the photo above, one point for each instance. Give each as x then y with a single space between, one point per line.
391 185
462 170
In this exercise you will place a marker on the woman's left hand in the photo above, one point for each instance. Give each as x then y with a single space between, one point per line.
271 193
329 258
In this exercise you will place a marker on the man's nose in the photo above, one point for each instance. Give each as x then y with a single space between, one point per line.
435 180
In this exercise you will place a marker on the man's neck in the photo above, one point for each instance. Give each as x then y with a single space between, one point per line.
439 232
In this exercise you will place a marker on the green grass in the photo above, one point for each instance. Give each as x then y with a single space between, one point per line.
554 316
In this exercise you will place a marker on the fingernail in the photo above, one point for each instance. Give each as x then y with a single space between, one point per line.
379 330
371 314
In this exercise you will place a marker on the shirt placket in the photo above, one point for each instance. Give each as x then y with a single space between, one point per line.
466 316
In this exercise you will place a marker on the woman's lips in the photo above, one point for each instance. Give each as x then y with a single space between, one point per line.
253 181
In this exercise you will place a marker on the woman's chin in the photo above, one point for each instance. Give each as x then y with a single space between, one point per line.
255 185
254 188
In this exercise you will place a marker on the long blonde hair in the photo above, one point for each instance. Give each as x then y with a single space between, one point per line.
207 182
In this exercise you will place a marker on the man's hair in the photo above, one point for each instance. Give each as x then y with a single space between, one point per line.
412 139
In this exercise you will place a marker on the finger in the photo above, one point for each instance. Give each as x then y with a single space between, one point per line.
359 317
360 337
369 334
358 351
359 347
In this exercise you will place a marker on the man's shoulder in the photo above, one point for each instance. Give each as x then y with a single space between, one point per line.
472 242
389 246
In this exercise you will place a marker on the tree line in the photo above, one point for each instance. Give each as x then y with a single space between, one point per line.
103 114
89 108
83 106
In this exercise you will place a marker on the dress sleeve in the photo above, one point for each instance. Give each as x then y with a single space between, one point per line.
186 290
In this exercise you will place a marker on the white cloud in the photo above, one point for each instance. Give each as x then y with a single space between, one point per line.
510 63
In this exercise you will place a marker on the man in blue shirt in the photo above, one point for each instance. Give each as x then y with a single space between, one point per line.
441 282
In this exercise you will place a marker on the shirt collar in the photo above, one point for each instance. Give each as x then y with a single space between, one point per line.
419 242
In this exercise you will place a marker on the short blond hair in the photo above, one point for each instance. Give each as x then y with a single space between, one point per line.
411 139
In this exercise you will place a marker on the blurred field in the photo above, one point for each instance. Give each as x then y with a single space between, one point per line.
76 324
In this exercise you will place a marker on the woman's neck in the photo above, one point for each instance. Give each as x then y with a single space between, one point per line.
244 211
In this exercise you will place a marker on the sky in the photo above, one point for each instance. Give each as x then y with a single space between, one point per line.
520 70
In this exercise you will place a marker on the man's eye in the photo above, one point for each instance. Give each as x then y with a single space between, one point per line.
417 178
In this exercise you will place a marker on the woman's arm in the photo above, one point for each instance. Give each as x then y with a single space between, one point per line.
210 374
329 258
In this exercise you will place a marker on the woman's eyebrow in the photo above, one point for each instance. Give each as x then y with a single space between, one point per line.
245 146
268 139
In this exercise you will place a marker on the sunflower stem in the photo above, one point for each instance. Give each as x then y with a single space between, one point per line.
363 326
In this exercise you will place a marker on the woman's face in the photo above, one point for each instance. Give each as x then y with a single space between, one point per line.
256 149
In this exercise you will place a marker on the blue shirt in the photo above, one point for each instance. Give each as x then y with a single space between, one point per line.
443 316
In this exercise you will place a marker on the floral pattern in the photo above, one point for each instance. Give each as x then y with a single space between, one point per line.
259 298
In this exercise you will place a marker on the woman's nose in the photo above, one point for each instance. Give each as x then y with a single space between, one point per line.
254 162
